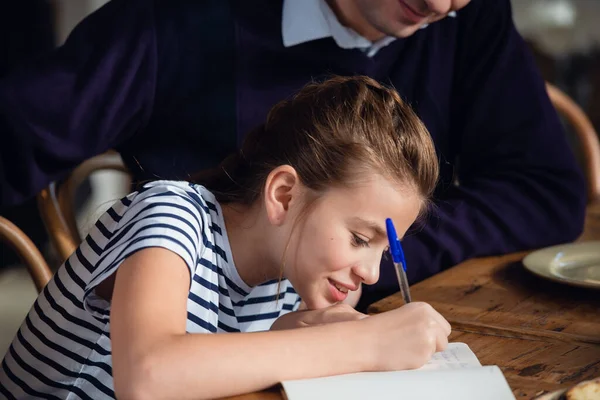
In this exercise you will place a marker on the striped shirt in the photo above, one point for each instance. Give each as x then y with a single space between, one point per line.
63 349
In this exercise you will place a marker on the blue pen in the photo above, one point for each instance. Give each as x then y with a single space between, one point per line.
398 258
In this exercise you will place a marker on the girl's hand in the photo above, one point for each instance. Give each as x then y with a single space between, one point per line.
301 319
405 338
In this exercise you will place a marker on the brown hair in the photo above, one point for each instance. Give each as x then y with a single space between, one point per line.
329 132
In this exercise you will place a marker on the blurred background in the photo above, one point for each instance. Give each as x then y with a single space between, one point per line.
564 36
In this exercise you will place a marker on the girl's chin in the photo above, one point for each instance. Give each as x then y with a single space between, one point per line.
316 304
317 299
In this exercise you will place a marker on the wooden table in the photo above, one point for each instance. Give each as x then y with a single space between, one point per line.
543 335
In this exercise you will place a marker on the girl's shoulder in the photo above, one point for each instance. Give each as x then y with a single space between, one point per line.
164 202
175 186
171 190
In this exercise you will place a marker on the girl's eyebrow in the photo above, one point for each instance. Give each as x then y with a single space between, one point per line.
372 225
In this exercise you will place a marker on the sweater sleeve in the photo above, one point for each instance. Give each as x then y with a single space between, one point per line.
77 101
519 186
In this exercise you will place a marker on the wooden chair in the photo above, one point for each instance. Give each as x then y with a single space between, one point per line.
586 135
27 251
56 207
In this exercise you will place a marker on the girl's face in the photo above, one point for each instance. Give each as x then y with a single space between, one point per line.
339 242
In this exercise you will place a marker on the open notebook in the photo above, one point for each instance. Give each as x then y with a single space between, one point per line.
455 374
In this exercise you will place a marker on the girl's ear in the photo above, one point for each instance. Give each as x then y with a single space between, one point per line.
282 189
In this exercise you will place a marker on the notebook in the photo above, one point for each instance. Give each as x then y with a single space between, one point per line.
454 374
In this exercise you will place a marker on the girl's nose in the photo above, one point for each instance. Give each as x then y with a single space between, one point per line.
368 272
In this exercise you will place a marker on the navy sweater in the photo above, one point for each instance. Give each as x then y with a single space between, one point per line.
174 85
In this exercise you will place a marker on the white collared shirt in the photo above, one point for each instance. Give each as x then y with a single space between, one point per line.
306 20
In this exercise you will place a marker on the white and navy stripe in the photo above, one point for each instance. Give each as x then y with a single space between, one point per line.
63 351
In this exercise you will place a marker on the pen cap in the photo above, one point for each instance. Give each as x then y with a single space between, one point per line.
393 239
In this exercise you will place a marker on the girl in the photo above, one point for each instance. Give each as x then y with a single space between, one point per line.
298 213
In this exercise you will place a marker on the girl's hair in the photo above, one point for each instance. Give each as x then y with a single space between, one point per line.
331 133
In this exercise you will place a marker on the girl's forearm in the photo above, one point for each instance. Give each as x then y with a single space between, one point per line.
198 366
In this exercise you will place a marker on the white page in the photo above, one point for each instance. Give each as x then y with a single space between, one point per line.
455 374
456 356
449 384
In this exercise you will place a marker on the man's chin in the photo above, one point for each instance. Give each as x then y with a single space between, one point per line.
406 31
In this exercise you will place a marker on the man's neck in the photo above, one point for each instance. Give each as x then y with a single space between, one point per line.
349 16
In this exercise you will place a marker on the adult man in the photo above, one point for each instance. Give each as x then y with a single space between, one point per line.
175 85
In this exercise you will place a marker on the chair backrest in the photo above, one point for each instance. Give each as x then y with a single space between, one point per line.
56 202
586 135
27 251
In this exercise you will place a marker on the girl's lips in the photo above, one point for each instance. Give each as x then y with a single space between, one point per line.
336 294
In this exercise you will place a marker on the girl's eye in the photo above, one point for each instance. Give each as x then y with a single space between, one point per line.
358 242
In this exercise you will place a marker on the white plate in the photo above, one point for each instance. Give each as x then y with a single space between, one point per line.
575 264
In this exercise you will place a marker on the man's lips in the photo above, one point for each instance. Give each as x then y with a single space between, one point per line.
411 14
